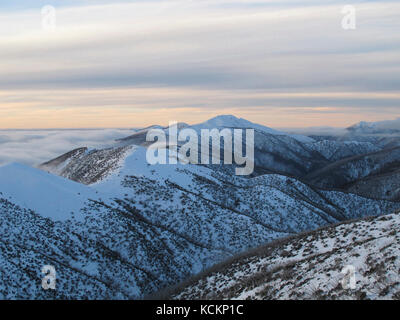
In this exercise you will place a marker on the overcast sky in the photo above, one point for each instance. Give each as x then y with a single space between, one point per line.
286 63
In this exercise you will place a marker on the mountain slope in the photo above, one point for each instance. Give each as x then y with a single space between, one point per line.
112 254
128 229
349 170
336 150
146 227
74 164
309 266
384 185
54 197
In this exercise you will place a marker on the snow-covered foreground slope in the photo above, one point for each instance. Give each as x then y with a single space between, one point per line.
143 227
111 254
309 266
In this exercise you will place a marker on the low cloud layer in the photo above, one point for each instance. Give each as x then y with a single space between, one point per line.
33 147
389 124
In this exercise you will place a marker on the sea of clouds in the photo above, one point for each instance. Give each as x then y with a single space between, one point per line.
33 147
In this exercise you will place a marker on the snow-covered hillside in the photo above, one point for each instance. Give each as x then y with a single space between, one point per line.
384 185
309 266
75 164
346 171
53 197
115 226
144 227
336 150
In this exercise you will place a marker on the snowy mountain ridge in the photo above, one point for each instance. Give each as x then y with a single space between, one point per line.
230 121
182 219
115 226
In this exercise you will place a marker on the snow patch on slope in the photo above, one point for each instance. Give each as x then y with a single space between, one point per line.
49 195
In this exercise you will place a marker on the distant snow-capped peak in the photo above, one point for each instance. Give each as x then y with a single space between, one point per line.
230 121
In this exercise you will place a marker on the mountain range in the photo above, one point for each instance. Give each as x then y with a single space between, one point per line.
116 227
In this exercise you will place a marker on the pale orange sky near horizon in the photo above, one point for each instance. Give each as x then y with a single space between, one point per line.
140 107
110 119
